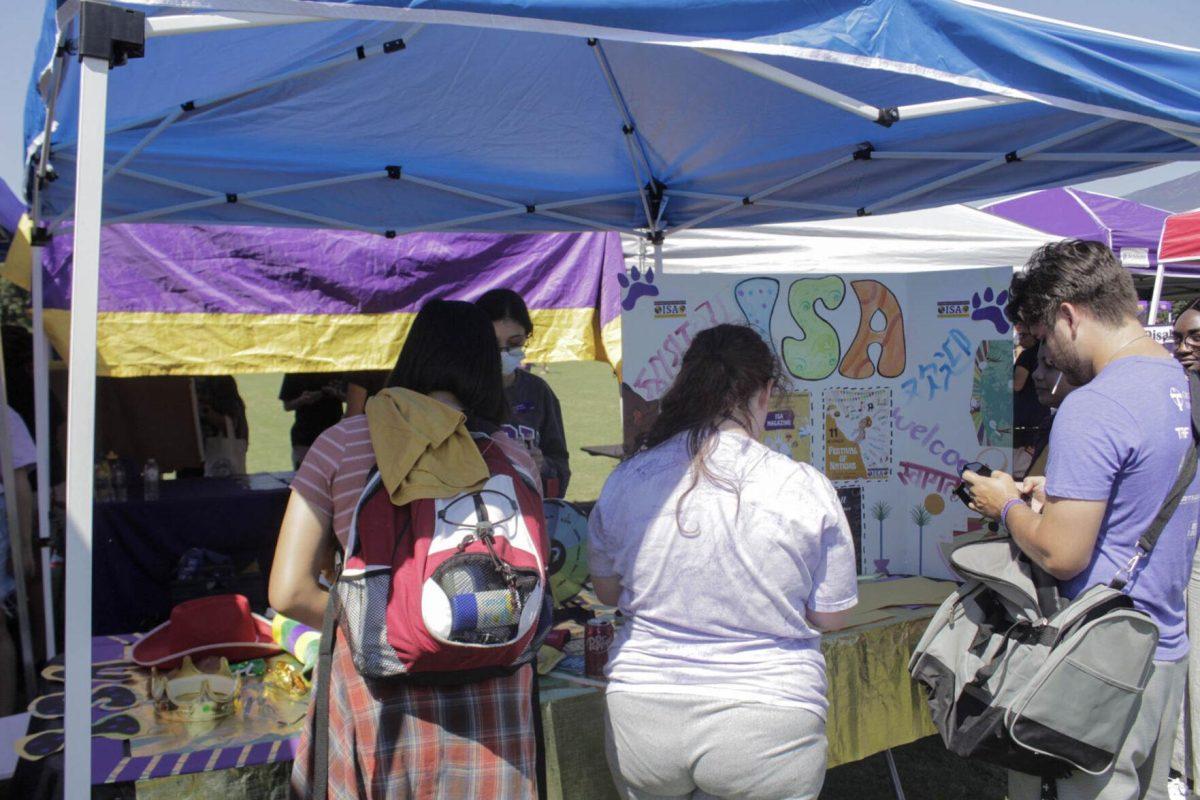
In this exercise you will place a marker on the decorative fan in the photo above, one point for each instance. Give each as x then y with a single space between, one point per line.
568 566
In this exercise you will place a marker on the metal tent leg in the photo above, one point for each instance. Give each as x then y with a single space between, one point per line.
81 418
891 762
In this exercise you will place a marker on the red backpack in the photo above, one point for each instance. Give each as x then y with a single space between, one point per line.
445 591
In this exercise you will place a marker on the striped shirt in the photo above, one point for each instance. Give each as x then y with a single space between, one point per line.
335 470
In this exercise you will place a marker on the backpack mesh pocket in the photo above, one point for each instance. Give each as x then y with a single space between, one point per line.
484 608
362 609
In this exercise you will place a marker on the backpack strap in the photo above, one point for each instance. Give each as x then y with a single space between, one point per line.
1187 472
319 782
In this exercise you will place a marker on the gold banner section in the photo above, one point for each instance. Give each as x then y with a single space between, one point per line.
136 344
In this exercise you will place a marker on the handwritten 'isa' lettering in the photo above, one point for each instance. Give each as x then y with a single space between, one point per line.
928 437
819 353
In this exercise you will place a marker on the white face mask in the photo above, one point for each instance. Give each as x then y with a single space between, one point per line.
511 359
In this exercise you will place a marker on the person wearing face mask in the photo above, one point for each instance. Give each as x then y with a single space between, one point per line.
535 416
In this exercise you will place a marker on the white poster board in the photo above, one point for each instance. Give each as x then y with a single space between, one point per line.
898 380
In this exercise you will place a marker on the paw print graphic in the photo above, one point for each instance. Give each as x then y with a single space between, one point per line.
991 309
636 286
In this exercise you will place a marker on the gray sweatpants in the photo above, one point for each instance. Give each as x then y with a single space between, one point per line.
1140 771
675 746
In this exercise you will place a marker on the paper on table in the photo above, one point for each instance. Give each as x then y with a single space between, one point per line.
874 595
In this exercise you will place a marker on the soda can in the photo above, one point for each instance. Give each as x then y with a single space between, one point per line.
598 635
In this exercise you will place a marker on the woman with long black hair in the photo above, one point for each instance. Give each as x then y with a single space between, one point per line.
394 739
727 560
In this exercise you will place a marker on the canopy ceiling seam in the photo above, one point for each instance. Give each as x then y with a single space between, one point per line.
629 132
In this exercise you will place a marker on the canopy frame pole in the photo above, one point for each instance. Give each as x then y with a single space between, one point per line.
629 131
176 24
804 86
731 198
1131 158
328 222
43 435
940 107
1156 293
750 200
588 223
149 138
1015 155
81 404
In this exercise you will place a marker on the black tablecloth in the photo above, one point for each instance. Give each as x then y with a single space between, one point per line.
138 543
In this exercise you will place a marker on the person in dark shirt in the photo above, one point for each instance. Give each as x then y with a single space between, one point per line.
1030 417
316 397
535 417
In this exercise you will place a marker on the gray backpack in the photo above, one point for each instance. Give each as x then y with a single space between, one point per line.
1018 677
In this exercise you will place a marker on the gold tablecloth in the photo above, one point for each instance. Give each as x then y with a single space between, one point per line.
873 706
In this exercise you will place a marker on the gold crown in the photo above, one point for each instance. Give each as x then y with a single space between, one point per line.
192 695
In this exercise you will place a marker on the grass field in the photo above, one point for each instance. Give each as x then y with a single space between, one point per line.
588 392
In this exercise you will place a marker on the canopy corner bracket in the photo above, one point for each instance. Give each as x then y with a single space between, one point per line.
110 33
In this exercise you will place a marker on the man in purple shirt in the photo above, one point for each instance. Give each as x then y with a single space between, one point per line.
1115 451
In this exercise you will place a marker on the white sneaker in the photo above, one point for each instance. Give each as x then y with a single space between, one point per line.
1177 789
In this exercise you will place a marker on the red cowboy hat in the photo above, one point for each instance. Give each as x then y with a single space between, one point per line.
221 625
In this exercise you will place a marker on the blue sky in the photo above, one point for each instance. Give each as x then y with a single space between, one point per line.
1166 20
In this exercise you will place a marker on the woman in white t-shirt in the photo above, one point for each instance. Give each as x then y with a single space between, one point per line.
727 560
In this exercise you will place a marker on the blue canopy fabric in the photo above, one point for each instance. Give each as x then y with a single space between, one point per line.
534 115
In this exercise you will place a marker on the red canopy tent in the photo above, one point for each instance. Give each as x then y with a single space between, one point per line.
1180 239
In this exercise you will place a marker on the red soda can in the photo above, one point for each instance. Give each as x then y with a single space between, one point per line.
598 635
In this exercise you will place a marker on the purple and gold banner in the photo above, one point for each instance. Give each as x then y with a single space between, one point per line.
182 299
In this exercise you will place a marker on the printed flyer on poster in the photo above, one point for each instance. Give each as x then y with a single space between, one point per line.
896 381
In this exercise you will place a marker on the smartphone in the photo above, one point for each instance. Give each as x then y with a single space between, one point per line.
963 491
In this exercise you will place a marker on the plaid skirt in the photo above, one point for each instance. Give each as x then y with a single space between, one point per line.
395 741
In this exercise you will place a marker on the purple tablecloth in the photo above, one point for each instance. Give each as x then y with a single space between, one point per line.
138 543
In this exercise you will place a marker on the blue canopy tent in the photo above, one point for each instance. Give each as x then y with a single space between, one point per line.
646 116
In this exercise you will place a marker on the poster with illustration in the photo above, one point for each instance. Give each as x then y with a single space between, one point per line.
897 380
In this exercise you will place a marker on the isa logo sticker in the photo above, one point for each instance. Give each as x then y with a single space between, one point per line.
783 419
953 309
666 309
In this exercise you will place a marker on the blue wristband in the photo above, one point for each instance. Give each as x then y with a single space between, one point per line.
1008 507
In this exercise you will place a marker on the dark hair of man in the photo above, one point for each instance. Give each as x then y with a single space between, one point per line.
722 370
1083 273
452 348
506 304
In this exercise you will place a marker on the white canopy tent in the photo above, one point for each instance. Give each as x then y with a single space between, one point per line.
951 237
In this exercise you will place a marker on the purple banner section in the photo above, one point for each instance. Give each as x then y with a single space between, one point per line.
254 270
